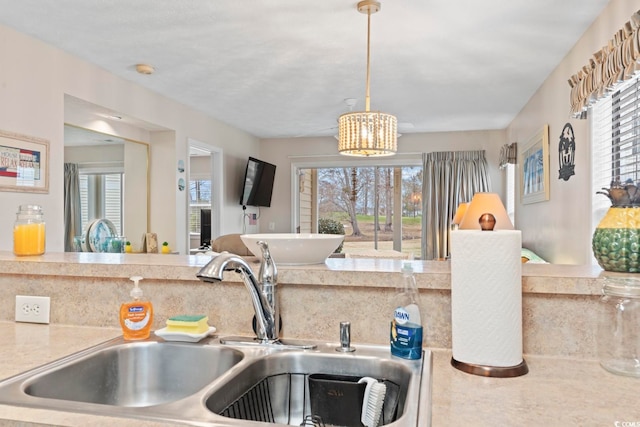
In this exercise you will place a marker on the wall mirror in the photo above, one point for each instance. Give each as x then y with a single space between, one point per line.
113 183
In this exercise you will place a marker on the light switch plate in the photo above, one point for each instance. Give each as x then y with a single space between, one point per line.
32 309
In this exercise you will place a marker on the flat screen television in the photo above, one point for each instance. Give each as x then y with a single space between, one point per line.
258 183
205 228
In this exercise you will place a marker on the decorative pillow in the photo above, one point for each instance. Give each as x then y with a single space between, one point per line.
230 243
530 256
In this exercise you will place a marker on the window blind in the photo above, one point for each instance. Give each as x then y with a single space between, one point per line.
84 200
510 199
615 130
113 199
101 197
199 198
624 121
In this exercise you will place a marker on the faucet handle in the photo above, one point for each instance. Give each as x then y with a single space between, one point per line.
345 338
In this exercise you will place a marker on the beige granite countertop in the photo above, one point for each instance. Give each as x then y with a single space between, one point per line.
536 278
555 392
25 346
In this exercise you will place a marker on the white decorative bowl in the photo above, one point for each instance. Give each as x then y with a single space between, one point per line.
293 248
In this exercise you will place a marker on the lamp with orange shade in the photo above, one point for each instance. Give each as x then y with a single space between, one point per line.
462 209
481 204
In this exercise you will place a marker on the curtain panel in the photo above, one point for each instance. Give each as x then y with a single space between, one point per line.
449 178
72 213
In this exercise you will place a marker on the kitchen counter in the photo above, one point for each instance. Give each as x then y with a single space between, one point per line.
25 346
565 385
560 302
556 391
370 273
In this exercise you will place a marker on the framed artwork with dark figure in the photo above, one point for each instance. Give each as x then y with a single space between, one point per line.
566 153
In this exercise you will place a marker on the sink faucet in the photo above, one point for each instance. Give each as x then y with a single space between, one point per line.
263 292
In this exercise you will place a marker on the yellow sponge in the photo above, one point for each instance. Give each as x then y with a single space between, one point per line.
188 324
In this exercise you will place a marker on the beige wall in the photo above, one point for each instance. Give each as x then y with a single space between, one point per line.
320 151
560 229
34 78
200 166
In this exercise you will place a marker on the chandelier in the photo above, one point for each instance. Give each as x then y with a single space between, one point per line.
367 133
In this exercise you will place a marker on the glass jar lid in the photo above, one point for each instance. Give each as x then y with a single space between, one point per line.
628 287
34 209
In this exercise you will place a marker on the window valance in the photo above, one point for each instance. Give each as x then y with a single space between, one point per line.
616 62
508 154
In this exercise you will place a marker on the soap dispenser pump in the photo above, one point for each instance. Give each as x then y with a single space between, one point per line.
136 317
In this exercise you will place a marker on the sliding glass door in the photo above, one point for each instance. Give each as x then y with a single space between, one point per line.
379 207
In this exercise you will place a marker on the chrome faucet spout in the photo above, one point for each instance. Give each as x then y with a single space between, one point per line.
263 295
268 277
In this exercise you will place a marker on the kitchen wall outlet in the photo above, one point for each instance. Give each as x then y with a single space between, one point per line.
32 309
272 226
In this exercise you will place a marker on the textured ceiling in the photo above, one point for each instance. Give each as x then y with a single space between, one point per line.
283 68
74 136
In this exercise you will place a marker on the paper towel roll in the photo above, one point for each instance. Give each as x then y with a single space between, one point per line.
486 297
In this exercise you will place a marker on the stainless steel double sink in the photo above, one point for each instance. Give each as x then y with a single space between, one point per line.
199 383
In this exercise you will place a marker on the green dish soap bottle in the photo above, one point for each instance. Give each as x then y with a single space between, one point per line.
406 325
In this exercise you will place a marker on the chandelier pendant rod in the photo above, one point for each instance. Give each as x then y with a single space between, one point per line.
368 95
366 133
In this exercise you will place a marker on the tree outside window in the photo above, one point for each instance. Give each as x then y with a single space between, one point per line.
362 199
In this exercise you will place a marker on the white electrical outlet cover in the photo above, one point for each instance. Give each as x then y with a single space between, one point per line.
32 309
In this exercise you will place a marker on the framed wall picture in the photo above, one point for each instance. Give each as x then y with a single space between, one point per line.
24 163
534 167
152 243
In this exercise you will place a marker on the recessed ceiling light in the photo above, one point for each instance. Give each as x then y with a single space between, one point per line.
145 69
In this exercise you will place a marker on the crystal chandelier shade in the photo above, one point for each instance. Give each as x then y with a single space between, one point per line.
367 133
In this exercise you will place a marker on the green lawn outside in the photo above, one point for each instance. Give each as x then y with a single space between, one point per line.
411 234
